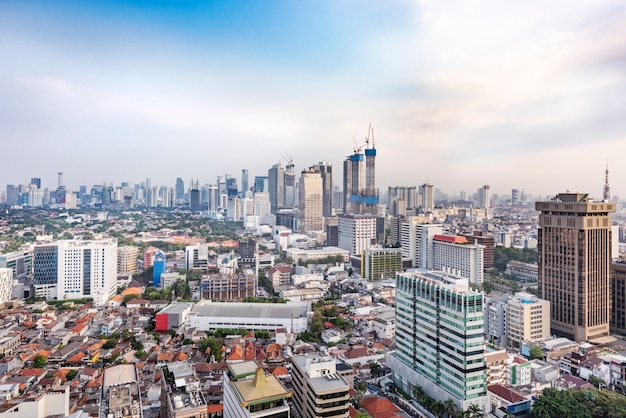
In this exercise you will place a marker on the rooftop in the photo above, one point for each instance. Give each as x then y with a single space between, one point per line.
251 310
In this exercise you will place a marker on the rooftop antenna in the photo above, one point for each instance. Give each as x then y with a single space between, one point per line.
607 190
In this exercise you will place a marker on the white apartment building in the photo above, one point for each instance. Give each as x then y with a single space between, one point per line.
6 284
78 268
357 232
416 240
457 254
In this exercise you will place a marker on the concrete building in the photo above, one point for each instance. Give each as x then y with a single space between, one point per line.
527 319
618 297
181 396
487 241
319 391
6 285
21 262
127 257
427 197
311 201
54 402
312 255
416 240
78 268
276 184
380 263
120 395
292 316
524 271
357 232
173 316
197 257
435 312
249 392
326 170
575 264
455 253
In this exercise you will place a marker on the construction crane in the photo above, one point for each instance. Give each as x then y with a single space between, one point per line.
357 148
288 159
367 138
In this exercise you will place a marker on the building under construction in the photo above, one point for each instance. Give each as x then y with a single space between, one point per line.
360 194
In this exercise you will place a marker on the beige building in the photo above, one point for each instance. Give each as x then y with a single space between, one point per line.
319 391
527 319
127 257
311 201
575 264
251 393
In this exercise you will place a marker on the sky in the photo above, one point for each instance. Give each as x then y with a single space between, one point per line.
460 93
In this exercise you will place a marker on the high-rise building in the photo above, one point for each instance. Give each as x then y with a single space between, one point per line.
127 257
427 197
360 195
276 183
77 269
326 170
290 186
262 206
357 232
244 182
158 268
455 253
318 390
618 296
514 197
261 184
180 188
194 197
484 197
6 285
212 198
574 264
36 181
439 338
311 208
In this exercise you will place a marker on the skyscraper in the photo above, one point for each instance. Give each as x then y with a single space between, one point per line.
427 197
290 186
439 338
326 170
575 264
360 194
276 183
180 188
244 182
310 202
194 197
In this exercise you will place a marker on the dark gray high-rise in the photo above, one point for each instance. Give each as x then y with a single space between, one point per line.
276 183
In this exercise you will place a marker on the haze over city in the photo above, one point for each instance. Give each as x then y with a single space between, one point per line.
527 95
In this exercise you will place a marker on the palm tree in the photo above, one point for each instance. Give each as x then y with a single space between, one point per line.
437 408
474 411
449 408
419 393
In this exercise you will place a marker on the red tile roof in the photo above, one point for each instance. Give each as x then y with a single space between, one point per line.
380 407
505 393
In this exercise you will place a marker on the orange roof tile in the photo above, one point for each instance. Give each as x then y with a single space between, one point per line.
380 407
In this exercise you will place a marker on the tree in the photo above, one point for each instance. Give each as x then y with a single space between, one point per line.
375 369
419 394
449 408
474 411
111 343
71 374
39 361
536 352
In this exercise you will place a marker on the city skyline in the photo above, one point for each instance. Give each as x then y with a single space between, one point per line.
527 96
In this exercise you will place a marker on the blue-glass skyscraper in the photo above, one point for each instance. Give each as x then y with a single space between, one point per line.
157 268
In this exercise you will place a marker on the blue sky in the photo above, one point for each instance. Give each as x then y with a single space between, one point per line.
516 94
